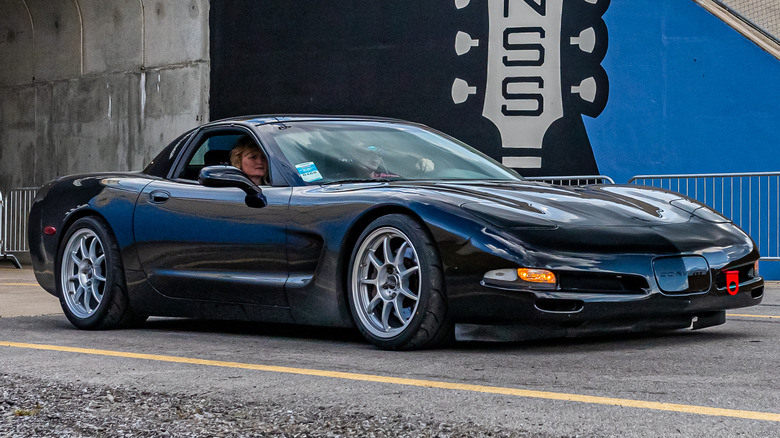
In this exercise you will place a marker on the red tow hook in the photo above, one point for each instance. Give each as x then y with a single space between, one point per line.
732 282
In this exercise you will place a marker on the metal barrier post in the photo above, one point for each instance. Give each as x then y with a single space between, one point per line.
578 180
3 232
16 212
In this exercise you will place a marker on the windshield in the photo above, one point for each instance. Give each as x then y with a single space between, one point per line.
327 152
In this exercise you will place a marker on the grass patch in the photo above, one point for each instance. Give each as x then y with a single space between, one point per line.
28 412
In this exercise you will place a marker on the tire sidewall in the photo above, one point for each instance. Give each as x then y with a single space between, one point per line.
112 258
427 258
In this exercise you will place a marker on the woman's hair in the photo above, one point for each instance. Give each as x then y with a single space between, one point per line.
243 146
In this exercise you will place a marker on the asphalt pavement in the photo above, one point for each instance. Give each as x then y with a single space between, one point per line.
20 294
208 378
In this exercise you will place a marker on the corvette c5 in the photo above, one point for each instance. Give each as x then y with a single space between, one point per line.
403 232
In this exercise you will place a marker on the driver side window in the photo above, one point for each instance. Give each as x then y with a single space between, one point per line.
212 150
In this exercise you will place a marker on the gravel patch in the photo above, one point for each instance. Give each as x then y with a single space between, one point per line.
33 407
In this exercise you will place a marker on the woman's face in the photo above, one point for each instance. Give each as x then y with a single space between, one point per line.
254 164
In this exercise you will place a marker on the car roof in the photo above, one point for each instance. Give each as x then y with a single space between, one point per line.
263 119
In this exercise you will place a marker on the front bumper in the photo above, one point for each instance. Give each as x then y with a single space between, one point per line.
502 315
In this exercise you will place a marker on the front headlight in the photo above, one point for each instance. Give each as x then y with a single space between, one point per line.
521 278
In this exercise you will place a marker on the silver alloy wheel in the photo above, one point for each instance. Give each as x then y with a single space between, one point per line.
82 273
386 282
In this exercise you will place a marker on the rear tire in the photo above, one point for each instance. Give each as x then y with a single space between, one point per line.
91 281
396 286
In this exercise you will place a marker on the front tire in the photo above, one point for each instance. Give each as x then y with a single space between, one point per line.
396 286
91 285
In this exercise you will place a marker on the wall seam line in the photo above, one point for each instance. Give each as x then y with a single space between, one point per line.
32 27
81 37
143 35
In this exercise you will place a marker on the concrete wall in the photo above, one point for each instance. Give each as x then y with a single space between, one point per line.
90 85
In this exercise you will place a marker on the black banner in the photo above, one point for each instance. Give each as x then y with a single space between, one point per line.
510 77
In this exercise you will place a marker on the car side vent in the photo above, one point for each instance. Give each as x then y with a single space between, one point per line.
603 283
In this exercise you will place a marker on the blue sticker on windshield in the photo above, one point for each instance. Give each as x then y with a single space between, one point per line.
308 171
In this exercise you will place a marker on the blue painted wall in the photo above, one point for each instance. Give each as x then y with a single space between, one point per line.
688 94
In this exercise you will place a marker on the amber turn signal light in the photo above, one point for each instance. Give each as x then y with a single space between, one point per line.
536 275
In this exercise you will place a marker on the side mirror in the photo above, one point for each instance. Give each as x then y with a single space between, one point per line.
229 176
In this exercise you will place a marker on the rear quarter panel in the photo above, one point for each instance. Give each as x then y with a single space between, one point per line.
60 203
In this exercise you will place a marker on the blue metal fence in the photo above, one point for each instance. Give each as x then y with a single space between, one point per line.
578 180
751 200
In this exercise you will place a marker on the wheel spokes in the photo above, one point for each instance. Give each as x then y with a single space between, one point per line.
92 248
374 260
374 302
82 297
387 308
398 260
386 282
406 273
95 292
386 248
82 273
83 248
407 293
78 294
397 306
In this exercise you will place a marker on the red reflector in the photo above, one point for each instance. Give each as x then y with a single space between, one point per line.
732 282
49 230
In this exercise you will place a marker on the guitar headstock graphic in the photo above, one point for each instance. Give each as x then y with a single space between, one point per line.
543 62
512 78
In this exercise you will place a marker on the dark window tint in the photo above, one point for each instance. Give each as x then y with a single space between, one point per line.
213 150
165 159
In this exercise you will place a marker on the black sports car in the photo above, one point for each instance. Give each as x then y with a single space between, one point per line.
390 226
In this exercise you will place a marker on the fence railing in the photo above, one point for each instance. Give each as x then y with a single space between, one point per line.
579 180
16 209
3 254
750 200
758 14
756 20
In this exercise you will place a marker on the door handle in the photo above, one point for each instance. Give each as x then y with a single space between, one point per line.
159 196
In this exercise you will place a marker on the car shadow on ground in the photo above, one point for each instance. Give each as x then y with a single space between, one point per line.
611 341
250 328
715 336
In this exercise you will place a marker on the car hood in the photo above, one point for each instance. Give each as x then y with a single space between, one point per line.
532 204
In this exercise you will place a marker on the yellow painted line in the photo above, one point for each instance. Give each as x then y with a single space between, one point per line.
690 409
18 284
754 316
